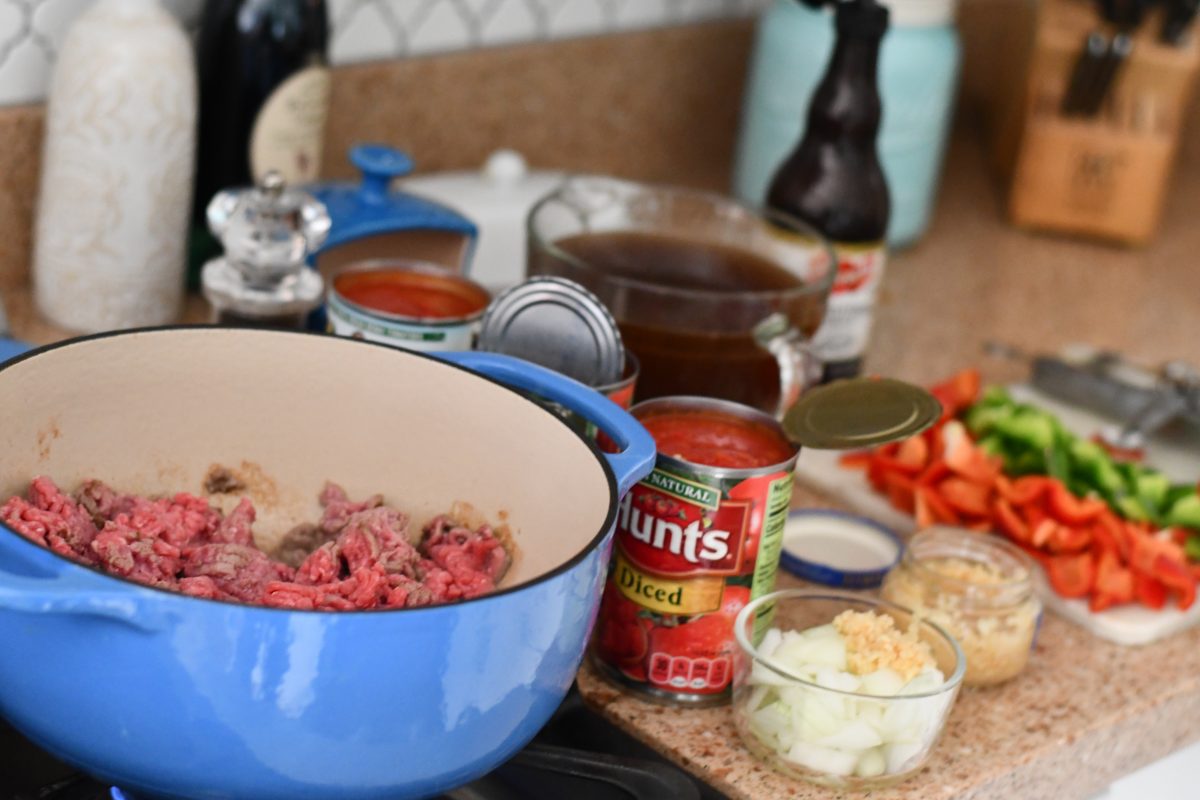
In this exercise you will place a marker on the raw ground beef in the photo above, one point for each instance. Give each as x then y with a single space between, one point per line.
357 556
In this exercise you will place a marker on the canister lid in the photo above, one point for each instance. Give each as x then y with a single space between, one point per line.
860 412
559 324
838 549
370 207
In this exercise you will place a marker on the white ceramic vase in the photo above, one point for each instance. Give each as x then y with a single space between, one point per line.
117 170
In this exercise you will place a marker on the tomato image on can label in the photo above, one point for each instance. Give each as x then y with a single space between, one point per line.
693 545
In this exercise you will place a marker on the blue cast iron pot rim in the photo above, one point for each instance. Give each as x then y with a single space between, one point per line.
567 566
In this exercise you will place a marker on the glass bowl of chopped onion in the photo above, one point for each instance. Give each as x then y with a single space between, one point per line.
840 689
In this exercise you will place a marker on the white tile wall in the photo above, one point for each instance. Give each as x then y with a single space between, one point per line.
363 30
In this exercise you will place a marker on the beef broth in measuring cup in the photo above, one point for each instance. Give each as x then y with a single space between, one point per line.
715 299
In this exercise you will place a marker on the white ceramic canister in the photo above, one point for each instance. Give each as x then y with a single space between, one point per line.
117 170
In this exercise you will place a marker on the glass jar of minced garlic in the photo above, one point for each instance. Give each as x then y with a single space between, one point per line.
979 589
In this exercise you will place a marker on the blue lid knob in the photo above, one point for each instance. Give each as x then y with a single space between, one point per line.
379 164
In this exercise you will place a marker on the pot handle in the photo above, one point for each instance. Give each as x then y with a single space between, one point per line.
636 458
71 594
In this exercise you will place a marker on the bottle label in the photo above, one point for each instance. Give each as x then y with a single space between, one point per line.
290 130
846 328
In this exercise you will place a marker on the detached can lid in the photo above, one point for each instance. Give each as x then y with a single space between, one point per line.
860 412
838 549
558 324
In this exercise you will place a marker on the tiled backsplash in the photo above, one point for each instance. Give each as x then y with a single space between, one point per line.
364 30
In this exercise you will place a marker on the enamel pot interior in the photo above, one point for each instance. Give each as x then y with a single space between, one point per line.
153 411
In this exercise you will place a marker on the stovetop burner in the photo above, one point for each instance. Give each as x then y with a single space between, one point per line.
578 755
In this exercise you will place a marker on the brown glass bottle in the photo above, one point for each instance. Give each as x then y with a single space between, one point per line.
833 180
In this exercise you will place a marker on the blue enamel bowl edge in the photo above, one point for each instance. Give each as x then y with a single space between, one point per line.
175 697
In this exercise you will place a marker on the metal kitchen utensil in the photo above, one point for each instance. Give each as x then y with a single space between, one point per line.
1117 51
268 232
1143 400
1179 397
1084 73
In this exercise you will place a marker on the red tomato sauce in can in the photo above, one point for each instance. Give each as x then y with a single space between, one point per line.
406 293
695 541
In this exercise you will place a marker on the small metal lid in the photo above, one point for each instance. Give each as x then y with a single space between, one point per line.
558 324
860 412
838 549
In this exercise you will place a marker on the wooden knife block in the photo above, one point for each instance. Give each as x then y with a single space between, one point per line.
1104 176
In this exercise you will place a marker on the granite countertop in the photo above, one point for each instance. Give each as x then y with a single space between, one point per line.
1086 711
1083 713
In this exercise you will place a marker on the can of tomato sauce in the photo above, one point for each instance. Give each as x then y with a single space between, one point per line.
408 304
695 541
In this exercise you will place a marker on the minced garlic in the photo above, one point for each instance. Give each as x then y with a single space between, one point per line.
961 569
873 643
990 611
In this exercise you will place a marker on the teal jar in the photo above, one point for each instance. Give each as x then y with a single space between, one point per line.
918 73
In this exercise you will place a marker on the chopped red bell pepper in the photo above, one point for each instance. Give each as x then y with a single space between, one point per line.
1009 522
958 392
1177 578
933 473
1042 532
1071 510
1066 539
965 497
1114 583
913 453
1149 591
938 508
1026 489
855 459
901 490
1071 576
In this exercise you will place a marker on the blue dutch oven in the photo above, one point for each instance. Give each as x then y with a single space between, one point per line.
172 696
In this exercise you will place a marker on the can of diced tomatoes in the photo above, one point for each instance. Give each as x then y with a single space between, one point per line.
695 541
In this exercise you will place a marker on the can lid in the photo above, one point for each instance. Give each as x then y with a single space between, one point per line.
860 412
838 549
558 324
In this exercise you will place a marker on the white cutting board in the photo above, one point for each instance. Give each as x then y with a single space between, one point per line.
1178 456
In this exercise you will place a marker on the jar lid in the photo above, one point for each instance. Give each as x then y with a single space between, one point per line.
370 208
860 412
834 548
558 324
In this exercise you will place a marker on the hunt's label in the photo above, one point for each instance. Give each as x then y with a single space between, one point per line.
671 525
693 546
666 596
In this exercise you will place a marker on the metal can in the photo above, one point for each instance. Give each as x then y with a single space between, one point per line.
695 541
408 304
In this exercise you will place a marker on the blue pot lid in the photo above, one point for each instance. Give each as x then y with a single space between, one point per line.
838 549
370 208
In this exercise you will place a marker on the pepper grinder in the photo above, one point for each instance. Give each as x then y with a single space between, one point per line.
268 231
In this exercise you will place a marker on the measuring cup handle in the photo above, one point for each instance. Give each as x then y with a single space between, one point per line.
799 367
637 455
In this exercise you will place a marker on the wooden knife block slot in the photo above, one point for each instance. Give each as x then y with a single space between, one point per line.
1105 175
